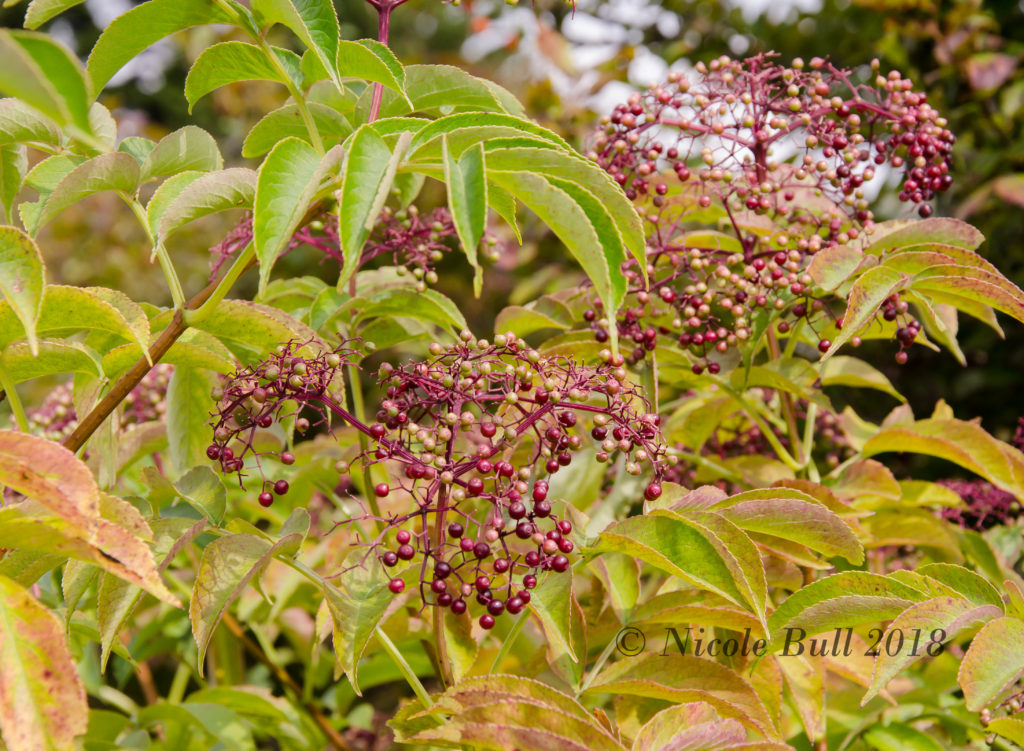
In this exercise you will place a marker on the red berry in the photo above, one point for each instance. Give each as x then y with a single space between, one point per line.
438 585
213 452
459 606
406 552
565 546
487 429
496 607
442 570
501 565
824 345
390 558
396 585
475 486
266 499
483 467
444 599
466 544
455 530
287 457
505 469
382 490
523 594
564 527
652 492
529 581
487 621
516 510
265 421
560 563
542 509
481 550
403 536
281 487
226 454
540 492
514 605
377 430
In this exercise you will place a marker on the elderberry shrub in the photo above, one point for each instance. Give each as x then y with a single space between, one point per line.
470 437
779 156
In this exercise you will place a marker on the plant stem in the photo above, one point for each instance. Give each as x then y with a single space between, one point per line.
170 274
787 404
333 736
20 418
598 665
444 666
242 262
403 666
358 409
510 639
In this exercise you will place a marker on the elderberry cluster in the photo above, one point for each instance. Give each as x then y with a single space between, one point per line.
479 428
412 242
470 438
55 418
985 505
778 156
256 397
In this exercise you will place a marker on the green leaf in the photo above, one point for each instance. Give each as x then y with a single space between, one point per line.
369 60
13 166
963 581
22 279
552 602
225 570
115 602
683 608
964 443
438 90
41 11
20 123
52 357
429 305
545 313
830 267
1009 728
288 179
203 490
164 195
683 678
44 74
229 62
286 122
357 606
851 371
143 26
118 172
702 549
897 234
803 522
842 600
530 715
696 725
313 21
898 737
948 614
866 296
139 147
44 704
233 188
466 180
188 412
362 175
994 662
467 129
620 576
186 149
248 328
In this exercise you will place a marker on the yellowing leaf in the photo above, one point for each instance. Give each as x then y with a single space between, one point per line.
42 700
